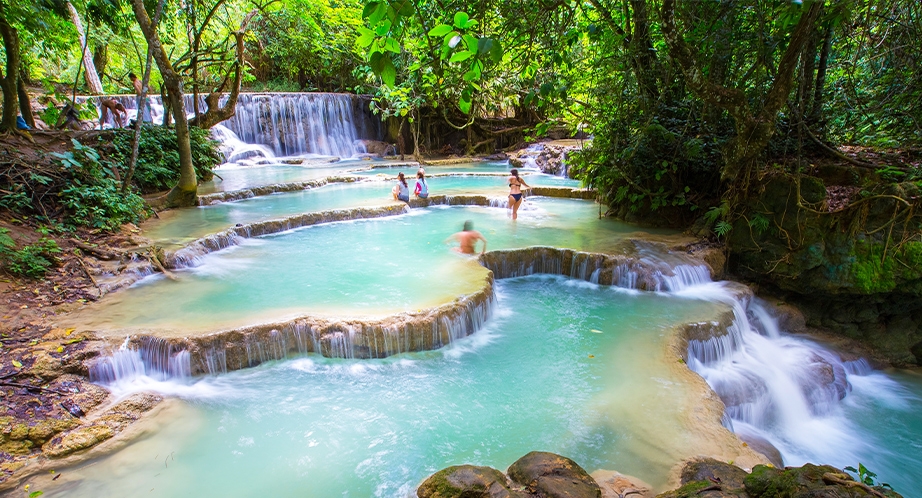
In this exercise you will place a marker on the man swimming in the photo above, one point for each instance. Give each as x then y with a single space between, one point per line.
467 239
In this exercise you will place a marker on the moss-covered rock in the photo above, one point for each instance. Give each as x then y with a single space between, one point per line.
551 475
809 481
857 271
77 440
466 481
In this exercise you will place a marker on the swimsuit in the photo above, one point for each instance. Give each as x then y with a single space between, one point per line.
518 196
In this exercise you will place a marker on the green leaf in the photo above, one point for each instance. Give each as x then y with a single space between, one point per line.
403 7
377 14
370 8
383 28
389 72
16 364
461 56
367 36
391 45
34 494
461 19
496 52
471 75
471 42
484 45
440 30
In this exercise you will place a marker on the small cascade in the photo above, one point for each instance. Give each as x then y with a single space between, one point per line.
154 357
302 123
279 124
164 359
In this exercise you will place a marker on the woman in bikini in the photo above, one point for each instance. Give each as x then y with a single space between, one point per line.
515 192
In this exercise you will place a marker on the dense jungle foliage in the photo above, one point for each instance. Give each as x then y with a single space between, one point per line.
690 105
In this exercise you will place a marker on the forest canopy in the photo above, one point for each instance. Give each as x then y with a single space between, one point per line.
685 101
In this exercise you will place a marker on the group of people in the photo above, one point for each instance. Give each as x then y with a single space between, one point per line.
467 238
401 191
119 113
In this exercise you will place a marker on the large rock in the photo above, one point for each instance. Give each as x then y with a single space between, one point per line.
466 481
809 481
549 475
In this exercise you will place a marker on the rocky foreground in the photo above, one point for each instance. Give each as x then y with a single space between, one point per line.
546 475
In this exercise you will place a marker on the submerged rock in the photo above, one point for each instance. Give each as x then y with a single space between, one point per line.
551 475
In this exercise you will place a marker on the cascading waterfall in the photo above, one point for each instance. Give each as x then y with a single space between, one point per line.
777 388
281 124
156 358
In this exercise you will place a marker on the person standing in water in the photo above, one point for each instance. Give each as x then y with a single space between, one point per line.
145 113
467 239
422 189
401 191
515 192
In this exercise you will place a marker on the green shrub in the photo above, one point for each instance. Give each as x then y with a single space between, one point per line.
31 261
157 168
93 198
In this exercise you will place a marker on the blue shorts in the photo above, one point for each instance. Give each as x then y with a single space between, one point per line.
404 198
422 196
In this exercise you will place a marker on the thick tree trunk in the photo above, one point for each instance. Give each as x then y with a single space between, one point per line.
92 78
816 114
8 80
753 130
101 59
184 194
25 105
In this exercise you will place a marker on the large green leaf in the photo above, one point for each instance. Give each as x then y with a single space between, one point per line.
484 45
383 66
383 28
496 51
366 37
440 30
461 56
403 7
370 8
471 42
465 101
391 45
461 20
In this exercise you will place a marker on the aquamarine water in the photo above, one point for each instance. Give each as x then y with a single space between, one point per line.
357 268
564 366
182 225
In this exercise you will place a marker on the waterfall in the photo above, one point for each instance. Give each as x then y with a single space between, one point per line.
155 357
280 124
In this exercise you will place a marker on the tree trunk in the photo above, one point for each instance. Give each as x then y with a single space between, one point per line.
816 114
92 79
216 113
101 59
25 105
184 194
753 130
8 81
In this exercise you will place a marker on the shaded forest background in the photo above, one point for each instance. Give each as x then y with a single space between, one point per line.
788 133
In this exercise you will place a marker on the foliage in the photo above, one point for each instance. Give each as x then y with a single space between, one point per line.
158 156
32 260
867 477
92 198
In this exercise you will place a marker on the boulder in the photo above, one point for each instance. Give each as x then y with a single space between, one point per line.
813 481
375 148
553 476
466 481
